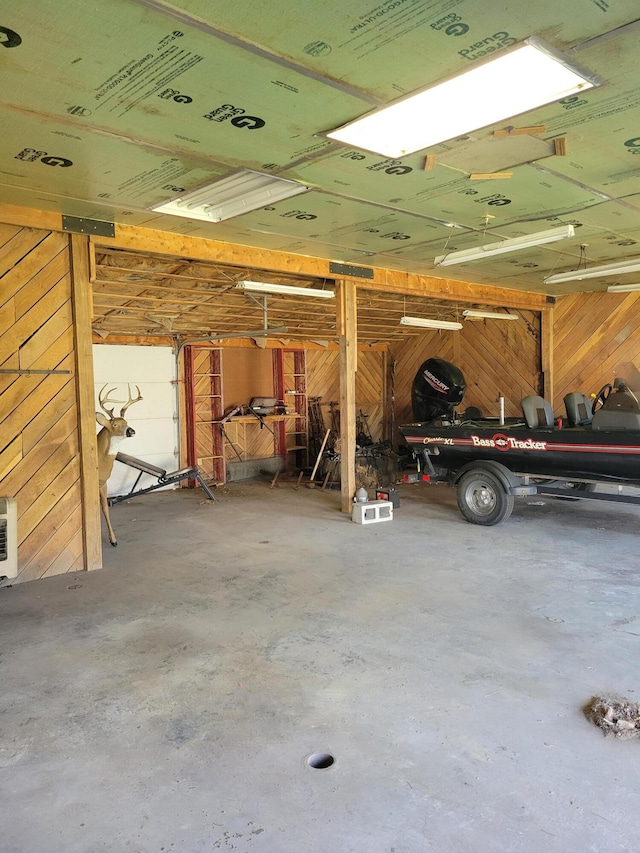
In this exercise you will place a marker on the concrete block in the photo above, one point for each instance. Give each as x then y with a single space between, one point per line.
372 512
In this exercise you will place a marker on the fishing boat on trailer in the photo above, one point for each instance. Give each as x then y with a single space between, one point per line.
492 460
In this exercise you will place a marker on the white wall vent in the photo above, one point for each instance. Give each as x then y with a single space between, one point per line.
8 537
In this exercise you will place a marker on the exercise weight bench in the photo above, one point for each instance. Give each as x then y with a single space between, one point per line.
164 478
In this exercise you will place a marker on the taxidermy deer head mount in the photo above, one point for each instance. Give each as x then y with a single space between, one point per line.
114 431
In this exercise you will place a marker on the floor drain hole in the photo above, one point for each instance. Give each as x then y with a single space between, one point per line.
320 760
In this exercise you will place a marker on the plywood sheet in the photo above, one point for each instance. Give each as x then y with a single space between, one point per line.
177 88
349 40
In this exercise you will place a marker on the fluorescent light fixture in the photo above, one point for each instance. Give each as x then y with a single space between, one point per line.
622 288
231 196
429 324
619 268
473 314
267 287
519 79
511 245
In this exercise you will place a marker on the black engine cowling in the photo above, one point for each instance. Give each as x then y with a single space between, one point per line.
438 387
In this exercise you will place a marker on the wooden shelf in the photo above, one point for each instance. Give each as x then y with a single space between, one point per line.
252 419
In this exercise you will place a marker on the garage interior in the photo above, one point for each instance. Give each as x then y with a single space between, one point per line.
257 672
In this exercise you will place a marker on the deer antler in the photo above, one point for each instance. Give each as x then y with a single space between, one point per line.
102 401
131 401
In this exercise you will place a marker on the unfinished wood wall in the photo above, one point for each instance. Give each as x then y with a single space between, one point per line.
39 439
323 380
596 338
244 440
495 358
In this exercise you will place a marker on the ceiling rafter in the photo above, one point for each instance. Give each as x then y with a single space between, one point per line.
138 292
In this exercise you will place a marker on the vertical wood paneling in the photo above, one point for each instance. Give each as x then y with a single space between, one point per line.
39 439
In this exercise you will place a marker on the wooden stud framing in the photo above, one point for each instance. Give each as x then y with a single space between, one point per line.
346 321
81 298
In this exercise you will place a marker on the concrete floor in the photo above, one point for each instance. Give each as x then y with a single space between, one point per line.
170 701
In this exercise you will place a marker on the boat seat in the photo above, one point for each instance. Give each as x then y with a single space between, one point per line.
578 408
537 411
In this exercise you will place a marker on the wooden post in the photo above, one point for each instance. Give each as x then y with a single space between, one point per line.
386 409
546 353
82 315
347 330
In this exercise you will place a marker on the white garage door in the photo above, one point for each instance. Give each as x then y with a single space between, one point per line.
154 419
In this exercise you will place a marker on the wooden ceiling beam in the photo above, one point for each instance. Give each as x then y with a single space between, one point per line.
183 247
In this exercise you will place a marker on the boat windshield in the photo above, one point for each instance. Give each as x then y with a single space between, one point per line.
626 389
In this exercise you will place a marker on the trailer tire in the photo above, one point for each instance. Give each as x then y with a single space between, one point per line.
483 498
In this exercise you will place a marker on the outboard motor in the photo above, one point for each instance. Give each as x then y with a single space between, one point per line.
437 388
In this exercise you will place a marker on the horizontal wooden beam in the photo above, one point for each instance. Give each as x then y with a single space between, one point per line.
179 246
394 281
28 218
227 343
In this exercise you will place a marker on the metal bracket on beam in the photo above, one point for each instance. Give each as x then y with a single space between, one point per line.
352 272
79 225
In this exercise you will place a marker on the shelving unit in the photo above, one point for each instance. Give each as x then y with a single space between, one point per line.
205 408
294 385
213 442
245 440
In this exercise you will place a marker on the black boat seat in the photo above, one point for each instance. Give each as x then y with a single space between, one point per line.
578 408
537 411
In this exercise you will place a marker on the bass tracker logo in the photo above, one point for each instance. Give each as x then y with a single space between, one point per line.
508 442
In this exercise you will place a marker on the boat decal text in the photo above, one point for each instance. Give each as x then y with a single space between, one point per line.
508 442
505 443
436 383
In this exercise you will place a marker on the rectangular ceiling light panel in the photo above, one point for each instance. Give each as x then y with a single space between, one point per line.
290 290
231 196
516 81
512 245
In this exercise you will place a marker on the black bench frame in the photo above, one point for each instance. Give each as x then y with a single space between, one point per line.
164 479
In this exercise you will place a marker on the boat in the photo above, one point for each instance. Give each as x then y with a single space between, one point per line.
491 460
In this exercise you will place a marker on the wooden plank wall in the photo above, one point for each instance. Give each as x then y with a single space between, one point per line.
495 358
323 380
39 442
596 338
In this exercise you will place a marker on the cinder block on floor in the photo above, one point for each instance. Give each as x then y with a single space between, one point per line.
372 512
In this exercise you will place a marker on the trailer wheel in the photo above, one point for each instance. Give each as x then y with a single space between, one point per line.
483 499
